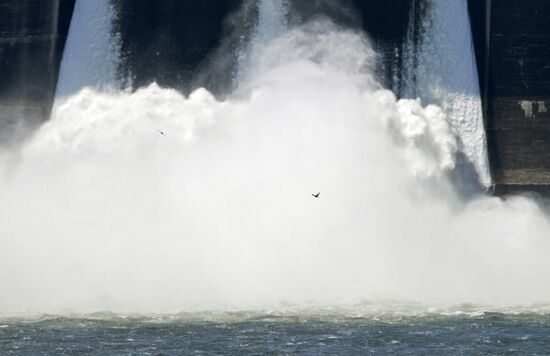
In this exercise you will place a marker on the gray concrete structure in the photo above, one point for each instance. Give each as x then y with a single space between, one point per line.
518 93
32 34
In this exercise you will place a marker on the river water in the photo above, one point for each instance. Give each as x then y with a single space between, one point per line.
314 332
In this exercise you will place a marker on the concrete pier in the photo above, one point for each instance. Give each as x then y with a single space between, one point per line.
32 35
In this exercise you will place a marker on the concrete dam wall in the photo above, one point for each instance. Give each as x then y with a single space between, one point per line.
177 44
518 93
32 36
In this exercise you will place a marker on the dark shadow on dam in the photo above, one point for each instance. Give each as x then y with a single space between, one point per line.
167 42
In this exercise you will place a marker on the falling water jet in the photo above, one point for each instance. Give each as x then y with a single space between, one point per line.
446 75
92 50
272 22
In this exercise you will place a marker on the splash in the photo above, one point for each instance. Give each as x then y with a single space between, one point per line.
105 213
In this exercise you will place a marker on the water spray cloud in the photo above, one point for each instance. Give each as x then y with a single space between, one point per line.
104 213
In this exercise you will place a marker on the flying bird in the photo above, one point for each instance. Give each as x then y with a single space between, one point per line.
162 133
316 195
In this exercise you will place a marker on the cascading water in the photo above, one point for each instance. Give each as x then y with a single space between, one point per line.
92 50
445 73
410 59
104 213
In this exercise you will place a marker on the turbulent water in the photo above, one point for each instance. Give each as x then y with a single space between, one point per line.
316 333
104 213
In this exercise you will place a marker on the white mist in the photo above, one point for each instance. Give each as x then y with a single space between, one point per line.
104 213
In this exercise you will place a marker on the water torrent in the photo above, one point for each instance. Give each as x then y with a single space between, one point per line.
92 50
103 213
409 62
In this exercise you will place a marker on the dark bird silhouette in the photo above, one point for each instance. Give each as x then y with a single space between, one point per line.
316 195
162 133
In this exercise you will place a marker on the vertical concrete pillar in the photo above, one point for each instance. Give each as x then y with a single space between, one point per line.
29 58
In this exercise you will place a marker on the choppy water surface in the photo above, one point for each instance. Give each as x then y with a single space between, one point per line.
307 333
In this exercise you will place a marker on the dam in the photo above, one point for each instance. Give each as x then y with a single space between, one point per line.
174 42
169 158
274 177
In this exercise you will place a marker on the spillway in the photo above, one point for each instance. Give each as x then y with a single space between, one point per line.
439 66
